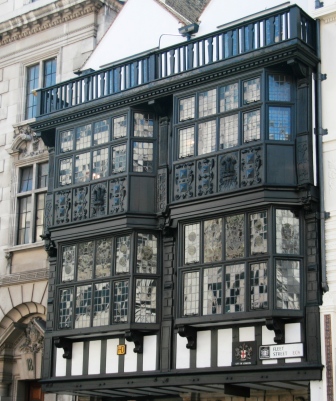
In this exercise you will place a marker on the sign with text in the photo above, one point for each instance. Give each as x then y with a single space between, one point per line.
279 351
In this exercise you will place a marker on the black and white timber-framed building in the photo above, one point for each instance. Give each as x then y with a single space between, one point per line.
182 218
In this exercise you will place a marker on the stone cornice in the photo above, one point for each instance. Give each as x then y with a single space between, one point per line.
49 16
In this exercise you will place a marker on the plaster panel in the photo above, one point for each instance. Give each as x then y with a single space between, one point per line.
293 333
112 358
16 294
182 353
94 357
29 259
131 358
203 350
267 336
224 347
60 363
149 353
77 359
246 334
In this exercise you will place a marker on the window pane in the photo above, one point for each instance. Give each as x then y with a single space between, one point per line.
49 73
25 209
100 132
103 257
258 278
207 103
288 284
101 304
83 137
251 90
123 254
252 126
85 260
120 302
258 233
143 157
119 159
279 87
42 181
32 83
26 183
235 288
119 127
235 236
83 306
99 163
192 243
143 125
65 172
65 308
186 140
82 167
212 291
66 141
146 253
228 97
187 108
68 263
207 137
40 204
228 131
145 301
279 123
190 294
287 232
213 240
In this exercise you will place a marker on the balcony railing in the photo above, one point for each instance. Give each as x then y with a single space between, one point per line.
265 31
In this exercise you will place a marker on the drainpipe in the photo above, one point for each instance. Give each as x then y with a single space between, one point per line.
320 132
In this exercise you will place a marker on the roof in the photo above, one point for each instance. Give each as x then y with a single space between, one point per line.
189 9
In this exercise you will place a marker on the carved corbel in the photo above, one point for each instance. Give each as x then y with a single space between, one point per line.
49 245
66 345
278 326
190 333
137 338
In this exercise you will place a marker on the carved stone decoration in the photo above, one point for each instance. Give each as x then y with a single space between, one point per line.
48 212
117 195
33 342
206 176
278 326
63 205
26 143
191 335
161 190
251 163
184 181
49 245
80 203
302 162
137 338
98 200
228 172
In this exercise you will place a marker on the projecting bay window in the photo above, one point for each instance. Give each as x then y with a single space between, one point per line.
233 114
230 265
102 283
31 200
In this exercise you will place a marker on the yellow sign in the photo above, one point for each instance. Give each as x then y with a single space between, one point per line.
121 349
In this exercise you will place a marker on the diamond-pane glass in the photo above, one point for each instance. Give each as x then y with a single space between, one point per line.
146 253
258 233
187 108
212 291
143 157
145 301
191 294
228 131
207 103
83 306
258 280
288 284
213 232
279 87
186 142
287 232
192 243
228 97
120 301
235 288
279 123
101 304
207 137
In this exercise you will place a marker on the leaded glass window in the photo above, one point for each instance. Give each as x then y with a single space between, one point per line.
288 284
101 132
251 91
101 304
279 123
287 232
207 137
228 97
83 306
83 137
143 125
119 127
65 174
85 260
228 131
258 232
123 254
235 288
145 301
251 121
120 302
213 232
82 167
191 293
207 102
66 141
119 159
235 236
143 157
68 263
65 308
103 257
212 290
99 163
192 243
186 142
259 290
146 253
187 108
279 87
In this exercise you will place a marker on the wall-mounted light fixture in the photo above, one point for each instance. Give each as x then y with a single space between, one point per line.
188 30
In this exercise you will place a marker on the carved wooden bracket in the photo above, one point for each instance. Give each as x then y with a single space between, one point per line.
278 326
191 335
137 338
49 245
66 345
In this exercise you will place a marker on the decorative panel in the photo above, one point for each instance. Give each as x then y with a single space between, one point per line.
85 260
251 166
80 203
98 200
48 212
118 195
302 160
161 190
103 257
184 187
206 182
234 236
213 237
228 172
63 204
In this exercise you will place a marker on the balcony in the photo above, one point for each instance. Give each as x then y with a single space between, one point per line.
286 25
